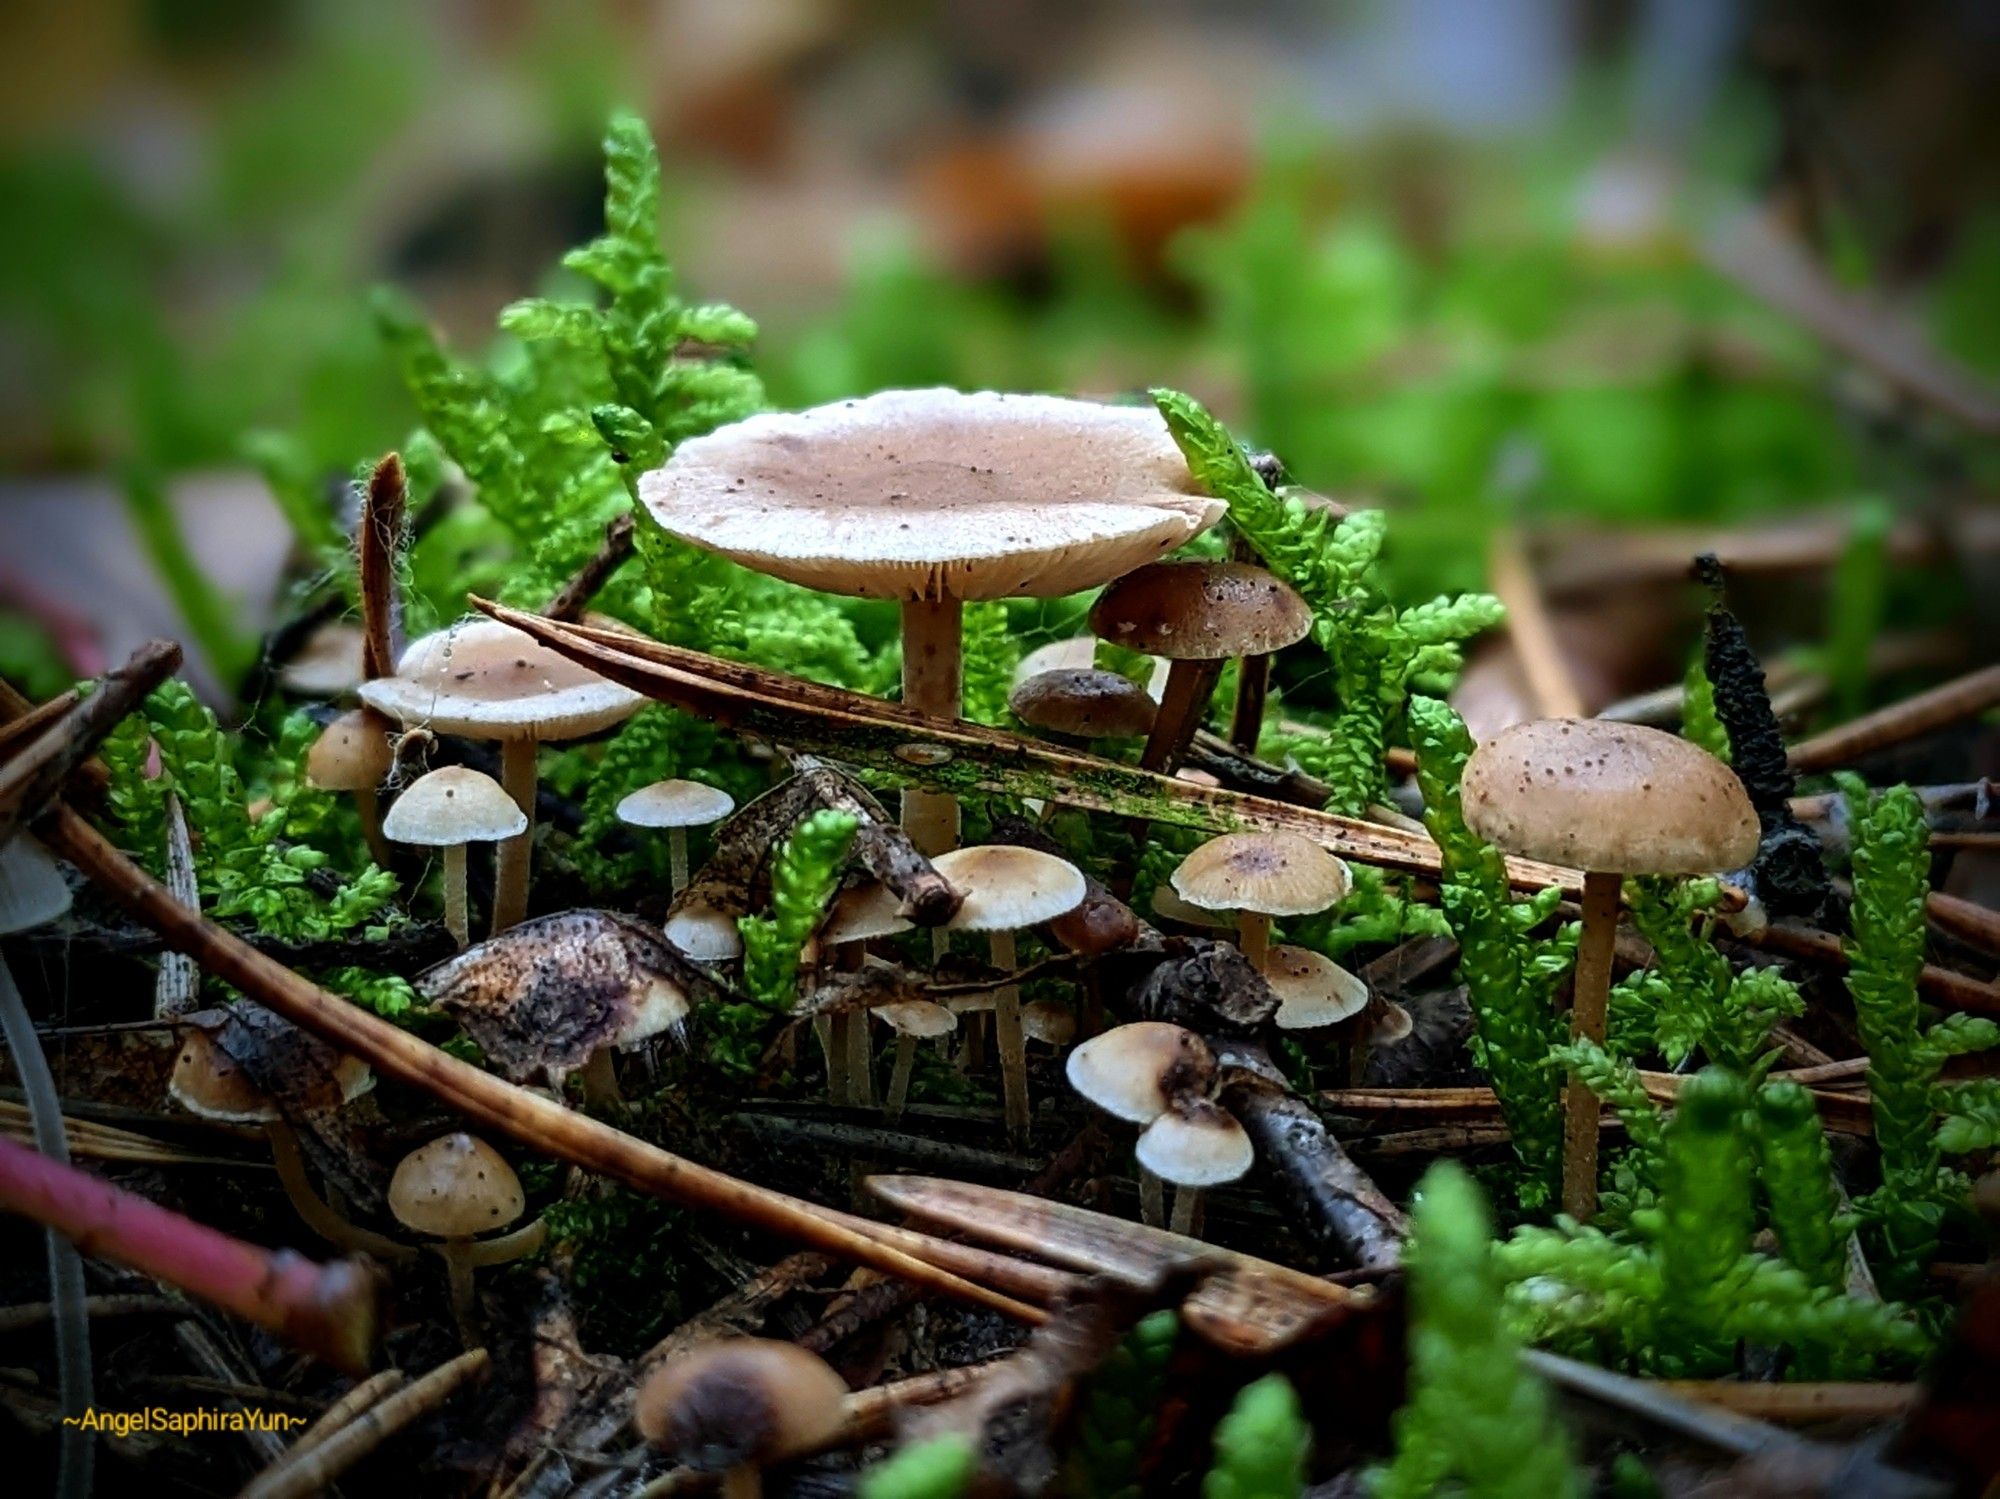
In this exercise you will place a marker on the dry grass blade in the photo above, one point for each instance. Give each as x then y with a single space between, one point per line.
1962 697
1805 1401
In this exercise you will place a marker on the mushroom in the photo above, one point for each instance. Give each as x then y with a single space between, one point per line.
737 1405
1008 888
1611 799
933 498
1196 1144
481 679
328 665
1073 704
1048 1023
1197 615
1261 875
706 933
1312 989
912 1020
353 754
859 915
1142 1073
676 806
454 1189
448 809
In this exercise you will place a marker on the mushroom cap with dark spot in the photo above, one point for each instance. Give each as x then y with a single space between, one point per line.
740 1401
452 805
1133 1072
1273 874
1085 704
456 1187
1312 989
936 494
352 753
485 680
1618 798
1201 611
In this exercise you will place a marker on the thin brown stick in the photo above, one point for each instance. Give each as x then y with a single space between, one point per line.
336 1416
1551 683
34 1314
1971 923
574 596
28 725
1804 1401
535 1121
1811 945
379 547
1962 697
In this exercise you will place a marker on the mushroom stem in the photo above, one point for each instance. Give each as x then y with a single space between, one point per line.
1187 1211
368 807
600 1082
827 1029
1182 704
510 875
1253 935
1012 1043
743 1481
860 1061
899 1079
677 856
514 1245
1152 1200
932 683
457 914
315 1211
1591 999
1246 717
458 1276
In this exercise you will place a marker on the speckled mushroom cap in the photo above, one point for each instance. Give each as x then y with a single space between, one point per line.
1086 703
455 1187
32 890
676 804
451 805
1312 989
1133 1072
352 753
740 1401
486 680
1201 611
1195 1144
1618 798
933 494
916 1017
861 913
1007 887
209 1082
1273 874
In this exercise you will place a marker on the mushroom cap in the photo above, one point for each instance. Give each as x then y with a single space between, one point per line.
916 1017
740 1401
352 753
706 933
1612 797
936 494
1102 924
863 912
455 1187
1167 906
1085 703
328 664
451 805
1079 653
1046 1021
1195 1143
1201 611
1312 989
486 680
1392 1024
1274 874
676 804
1133 1072
1007 887
32 890
212 1076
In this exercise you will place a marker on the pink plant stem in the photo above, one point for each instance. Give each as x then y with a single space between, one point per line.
328 1310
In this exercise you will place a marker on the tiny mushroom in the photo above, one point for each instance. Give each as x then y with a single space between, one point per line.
705 932
933 498
859 915
1312 989
912 1020
1007 889
1195 1144
1075 704
454 1189
353 754
737 1405
1048 1024
1611 799
480 679
1197 615
1261 875
448 809
676 806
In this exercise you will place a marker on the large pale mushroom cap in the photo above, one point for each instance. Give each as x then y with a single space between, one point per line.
740 1401
1312 989
1618 798
934 494
676 804
486 680
1201 611
32 890
455 1187
1195 1144
1007 887
451 805
1273 874
1133 1072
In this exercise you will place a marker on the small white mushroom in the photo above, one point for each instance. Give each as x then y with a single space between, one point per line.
450 808
676 806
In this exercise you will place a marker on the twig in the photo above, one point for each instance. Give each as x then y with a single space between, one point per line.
378 543
345 1409
1962 697
1812 945
293 1477
1551 683
1805 1401
1971 923
34 1314
575 595
177 983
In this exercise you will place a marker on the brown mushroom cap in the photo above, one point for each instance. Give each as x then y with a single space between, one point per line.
1312 989
1133 1072
213 1074
1049 1023
1079 653
455 1187
1618 798
1087 704
676 804
486 680
451 805
32 890
1201 611
1007 887
705 933
1195 1143
740 1401
935 494
352 753
1392 1025
861 913
328 664
1273 874
916 1017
